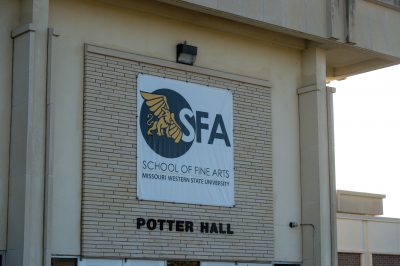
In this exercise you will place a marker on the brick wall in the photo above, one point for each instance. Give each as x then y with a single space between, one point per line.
109 204
385 260
349 259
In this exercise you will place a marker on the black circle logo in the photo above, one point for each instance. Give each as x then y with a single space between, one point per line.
161 124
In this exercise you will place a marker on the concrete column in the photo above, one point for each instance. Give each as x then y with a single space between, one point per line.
314 157
9 13
366 257
27 148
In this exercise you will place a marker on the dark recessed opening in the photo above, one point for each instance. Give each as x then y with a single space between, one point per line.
183 263
63 262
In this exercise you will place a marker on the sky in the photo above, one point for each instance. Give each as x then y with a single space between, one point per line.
367 135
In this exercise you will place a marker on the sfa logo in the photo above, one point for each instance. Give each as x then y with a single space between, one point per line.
170 126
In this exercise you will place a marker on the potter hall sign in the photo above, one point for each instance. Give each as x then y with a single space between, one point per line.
183 226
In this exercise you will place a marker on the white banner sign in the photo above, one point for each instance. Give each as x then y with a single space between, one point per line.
184 142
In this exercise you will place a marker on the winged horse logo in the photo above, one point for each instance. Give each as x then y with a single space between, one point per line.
161 119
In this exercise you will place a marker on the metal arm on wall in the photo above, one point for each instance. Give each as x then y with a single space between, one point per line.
313 237
294 225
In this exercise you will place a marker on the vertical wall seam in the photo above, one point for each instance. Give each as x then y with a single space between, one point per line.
49 156
331 165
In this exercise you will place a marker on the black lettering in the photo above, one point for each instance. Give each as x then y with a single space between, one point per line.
214 228
221 229
140 222
179 226
204 227
188 226
148 165
151 224
170 224
161 223
228 228
214 135
199 124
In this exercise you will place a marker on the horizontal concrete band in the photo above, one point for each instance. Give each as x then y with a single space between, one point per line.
392 4
165 63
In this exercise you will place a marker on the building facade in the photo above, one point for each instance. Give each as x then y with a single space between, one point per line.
364 238
76 78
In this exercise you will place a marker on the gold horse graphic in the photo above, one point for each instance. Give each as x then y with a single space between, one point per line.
161 118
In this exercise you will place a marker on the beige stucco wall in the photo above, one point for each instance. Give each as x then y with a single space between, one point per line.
80 22
368 235
9 17
307 16
359 203
375 28
369 21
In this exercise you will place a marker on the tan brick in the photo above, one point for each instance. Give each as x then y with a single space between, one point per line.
109 204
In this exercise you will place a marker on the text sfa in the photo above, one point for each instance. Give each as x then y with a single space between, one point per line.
218 130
